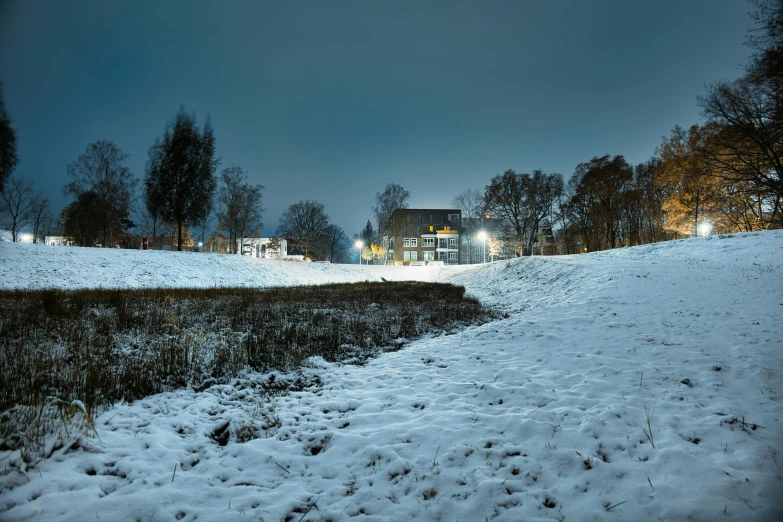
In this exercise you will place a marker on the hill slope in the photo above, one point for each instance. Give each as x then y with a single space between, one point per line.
538 416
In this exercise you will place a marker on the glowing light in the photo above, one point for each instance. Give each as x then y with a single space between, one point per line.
359 244
482 236
704 228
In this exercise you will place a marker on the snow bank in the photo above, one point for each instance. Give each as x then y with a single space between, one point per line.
538 416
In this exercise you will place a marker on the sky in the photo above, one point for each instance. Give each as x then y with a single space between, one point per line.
331 101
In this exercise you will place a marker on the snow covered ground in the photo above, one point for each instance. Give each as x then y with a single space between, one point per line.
538 416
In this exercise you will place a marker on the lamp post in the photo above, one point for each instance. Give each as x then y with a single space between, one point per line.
359 244
483 237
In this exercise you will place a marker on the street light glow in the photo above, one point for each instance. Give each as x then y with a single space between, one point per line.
482 236
359 244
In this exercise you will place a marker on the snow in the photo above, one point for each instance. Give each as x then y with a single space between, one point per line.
499 422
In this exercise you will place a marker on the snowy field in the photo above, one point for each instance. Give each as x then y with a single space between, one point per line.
538 416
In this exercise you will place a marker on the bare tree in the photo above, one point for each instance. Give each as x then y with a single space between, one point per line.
41 217
339 245
543 191
386 202
18 198
471 203
239 206
505 198
689 176
749 148
101 170
305 225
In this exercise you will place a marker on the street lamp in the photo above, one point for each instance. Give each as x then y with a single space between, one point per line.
483 237
359 244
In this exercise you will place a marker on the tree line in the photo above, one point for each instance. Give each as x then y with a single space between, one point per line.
721 176
724 174
173 203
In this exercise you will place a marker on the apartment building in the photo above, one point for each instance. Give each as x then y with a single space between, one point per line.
424 234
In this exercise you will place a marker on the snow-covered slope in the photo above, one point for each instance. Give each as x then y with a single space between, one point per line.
538 416
40 266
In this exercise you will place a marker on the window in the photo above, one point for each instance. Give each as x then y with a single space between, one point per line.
414 241
418 228
442 218
429 256
406 242
452 256
454 219
452 242
406 256
404 231
413 255
419 219
407 218
430 219
428 241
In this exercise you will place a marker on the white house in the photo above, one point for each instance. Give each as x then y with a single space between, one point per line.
265 247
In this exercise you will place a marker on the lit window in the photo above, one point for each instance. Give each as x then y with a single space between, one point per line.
406 256
406 242
428 241
413 255
414 241
429 256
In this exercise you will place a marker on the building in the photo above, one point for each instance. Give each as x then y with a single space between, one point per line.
264 247
418 234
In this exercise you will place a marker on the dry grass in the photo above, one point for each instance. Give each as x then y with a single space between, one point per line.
103 346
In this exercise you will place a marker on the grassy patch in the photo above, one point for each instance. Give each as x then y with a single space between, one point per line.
104 346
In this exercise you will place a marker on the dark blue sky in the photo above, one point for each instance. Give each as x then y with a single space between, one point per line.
333 100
